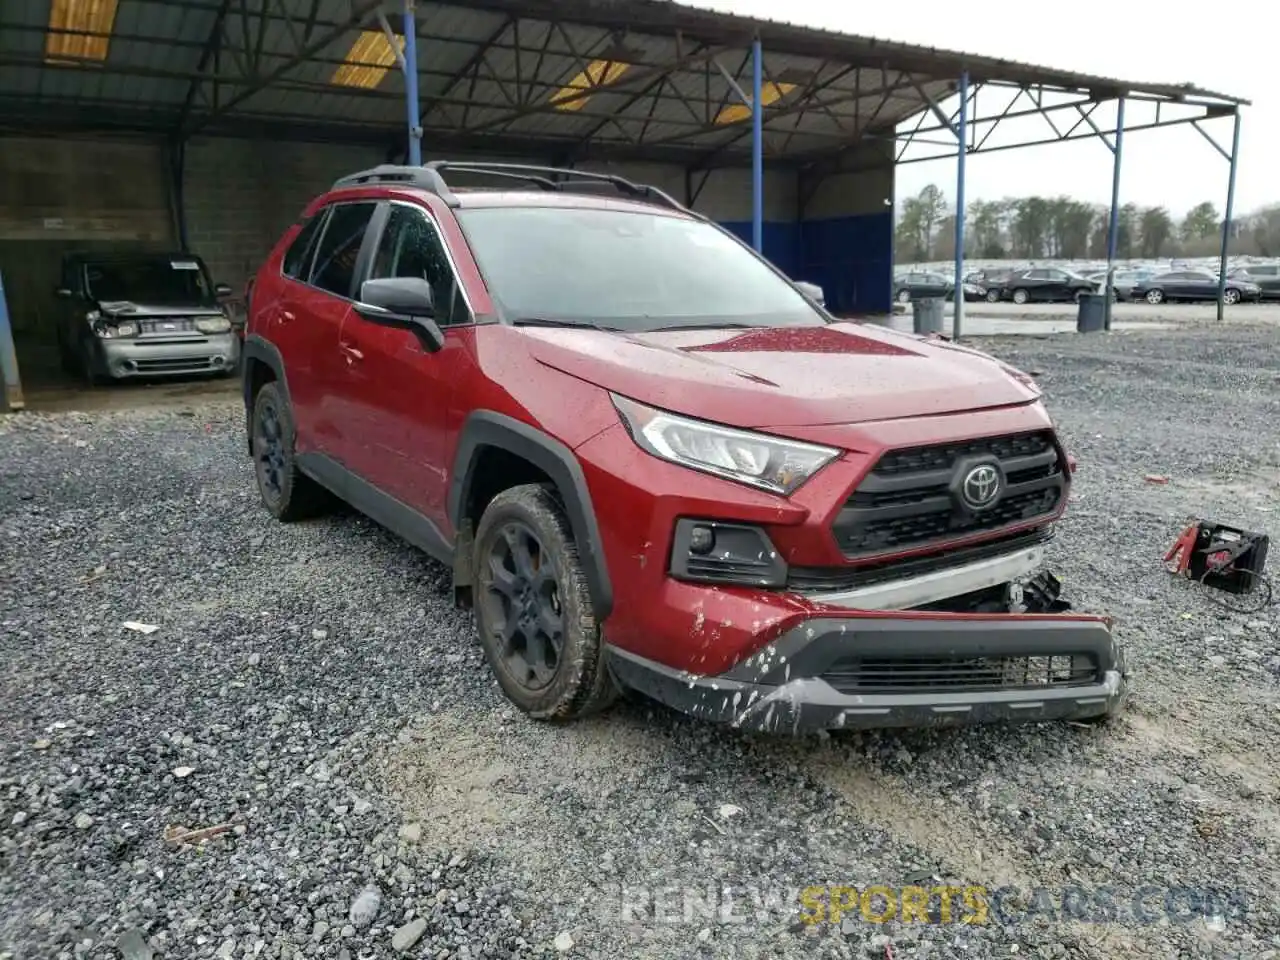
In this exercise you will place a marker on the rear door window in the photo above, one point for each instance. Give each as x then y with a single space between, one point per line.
339 248
297 259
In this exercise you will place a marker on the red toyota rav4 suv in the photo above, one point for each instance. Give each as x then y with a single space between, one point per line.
652 462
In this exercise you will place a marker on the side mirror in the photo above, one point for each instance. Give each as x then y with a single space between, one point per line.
64 293
404 302
222 289
812 291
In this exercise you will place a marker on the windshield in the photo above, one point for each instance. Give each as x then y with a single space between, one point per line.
163 280
623 269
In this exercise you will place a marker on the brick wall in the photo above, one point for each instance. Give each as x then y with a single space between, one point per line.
240 195
95 191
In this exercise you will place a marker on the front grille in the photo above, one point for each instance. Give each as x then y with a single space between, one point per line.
918 674
173 364
166 325
913 498
832 579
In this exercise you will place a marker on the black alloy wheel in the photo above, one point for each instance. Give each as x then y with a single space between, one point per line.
269 450
520 586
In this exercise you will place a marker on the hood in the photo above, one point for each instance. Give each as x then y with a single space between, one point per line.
784 376
129 308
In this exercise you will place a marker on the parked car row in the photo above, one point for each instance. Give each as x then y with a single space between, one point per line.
1057 285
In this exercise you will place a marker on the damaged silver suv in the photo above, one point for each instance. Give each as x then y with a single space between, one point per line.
142 315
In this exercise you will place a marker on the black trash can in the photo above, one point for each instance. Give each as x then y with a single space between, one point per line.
927 316
1092 315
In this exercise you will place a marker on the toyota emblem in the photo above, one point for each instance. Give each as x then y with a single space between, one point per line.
981 486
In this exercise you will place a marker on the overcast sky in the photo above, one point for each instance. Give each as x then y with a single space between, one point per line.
1174 167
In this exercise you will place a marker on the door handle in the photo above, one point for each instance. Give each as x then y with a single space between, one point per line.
351 351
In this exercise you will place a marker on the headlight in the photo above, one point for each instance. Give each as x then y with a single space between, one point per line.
213 324
770 463
125 328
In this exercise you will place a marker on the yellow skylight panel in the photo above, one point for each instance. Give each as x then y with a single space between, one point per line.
770 93
368 61
79 30
599 73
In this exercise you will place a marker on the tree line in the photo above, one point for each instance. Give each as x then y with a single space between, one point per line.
1033 228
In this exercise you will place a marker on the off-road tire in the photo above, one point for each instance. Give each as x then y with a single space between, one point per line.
295 496
581 683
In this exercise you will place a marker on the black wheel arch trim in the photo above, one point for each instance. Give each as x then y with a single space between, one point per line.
264 351
485 428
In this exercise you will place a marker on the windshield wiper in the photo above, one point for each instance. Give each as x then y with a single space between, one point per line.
726 325
556 322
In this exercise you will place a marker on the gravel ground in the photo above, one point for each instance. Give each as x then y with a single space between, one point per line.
310 691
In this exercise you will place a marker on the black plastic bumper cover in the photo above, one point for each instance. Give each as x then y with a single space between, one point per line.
780 688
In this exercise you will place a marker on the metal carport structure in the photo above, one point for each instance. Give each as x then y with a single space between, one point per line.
565 81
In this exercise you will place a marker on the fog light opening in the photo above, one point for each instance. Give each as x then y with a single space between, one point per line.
702 540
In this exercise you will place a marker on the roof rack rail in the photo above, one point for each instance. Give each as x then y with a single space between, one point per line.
423 177
431 176
559 178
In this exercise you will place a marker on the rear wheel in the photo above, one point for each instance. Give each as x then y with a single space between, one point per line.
1155 296
993 296
287 492
1020 297
533 609
904 296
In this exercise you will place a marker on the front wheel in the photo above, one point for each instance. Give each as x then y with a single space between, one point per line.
904 296
1020 297
1230 295
1155 297
533 609
993 296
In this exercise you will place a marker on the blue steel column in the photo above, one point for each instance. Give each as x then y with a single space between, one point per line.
1113 223
10 383
411 84
962 138
1226 219
757 147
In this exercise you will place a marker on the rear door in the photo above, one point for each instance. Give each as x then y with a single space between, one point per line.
309 316
1036 283
1200 285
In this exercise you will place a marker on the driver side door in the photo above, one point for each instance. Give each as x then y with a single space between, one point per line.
398 394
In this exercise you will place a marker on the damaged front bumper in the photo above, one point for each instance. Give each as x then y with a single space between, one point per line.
903 669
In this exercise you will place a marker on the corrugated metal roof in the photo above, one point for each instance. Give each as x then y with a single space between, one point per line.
488 70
